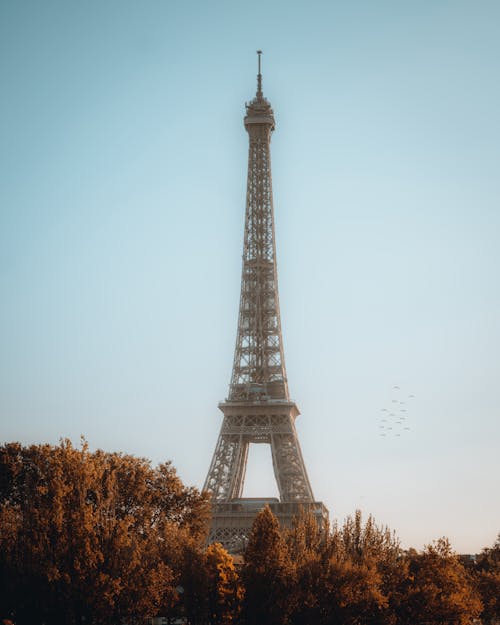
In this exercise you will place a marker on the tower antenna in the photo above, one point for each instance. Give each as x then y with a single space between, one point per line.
259 76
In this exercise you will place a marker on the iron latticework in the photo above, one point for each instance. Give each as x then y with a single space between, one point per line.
259 366
258 408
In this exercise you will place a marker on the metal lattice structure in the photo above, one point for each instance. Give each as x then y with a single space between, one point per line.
258 408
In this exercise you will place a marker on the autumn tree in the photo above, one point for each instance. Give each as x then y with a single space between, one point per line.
209 591
306 547
267 574
349 587
350 593
438 589
90 536
224 588
340 576
378 550
487 578
194 584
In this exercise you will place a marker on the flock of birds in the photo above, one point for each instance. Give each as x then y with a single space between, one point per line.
394 420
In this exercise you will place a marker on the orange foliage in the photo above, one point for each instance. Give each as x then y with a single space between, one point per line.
89 535
106 538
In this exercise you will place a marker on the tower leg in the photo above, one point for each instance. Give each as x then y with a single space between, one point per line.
226 476
289 468
227 472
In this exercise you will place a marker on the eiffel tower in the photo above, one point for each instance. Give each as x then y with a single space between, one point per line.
258 408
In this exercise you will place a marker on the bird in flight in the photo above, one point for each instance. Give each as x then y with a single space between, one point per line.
396 420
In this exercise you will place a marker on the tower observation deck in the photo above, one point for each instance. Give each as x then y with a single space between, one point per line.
258 408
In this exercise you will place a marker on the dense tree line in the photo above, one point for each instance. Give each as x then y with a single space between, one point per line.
91 537
96 537
357 574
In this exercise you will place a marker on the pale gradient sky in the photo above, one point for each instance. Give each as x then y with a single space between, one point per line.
123 172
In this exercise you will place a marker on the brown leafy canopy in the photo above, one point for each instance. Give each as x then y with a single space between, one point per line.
306 547
212 591
107 538
225 592
377 554
359 574
268 575
438 588
337 576
487 580
89 535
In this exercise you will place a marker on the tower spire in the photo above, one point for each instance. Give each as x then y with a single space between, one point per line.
259 76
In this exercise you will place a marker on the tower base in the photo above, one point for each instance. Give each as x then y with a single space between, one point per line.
232 521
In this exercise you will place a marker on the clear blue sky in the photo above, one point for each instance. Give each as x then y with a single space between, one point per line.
123 173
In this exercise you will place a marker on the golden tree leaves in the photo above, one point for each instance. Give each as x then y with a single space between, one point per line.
101 537
90 535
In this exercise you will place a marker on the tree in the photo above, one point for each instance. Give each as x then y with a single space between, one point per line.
438 589
211 592
369 557
267 574
488 582
194 583
350 593
341 577
89 535
224 589
306 543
